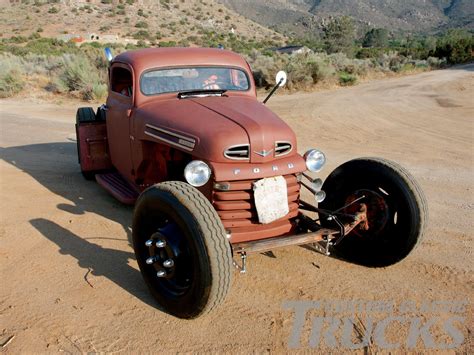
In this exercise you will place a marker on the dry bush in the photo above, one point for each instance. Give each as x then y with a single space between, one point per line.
79 77
264 69
82 71
11 75
304 70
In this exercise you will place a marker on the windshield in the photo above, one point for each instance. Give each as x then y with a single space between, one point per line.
193 78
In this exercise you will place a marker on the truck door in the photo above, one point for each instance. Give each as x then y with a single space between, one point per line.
119 121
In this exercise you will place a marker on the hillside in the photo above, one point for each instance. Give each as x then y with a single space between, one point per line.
301 16
126 19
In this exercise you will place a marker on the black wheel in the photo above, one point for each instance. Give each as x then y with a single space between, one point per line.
84 115
396 210
181 249
101 114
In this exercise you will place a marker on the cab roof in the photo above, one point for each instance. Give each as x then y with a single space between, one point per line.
147 58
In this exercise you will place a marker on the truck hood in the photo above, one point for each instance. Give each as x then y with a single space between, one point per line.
207 126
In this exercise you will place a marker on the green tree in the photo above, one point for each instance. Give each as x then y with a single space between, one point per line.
339 35
376 37
456 46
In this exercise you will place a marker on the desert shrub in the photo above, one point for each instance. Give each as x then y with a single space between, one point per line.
365 53
410 66
167 44
304 70
80 78
346 79
141 24
142 34
391 61
264 68
435 62
307 69
11 76
39 64
99 91
49 46
81 71
34 35
298 74
319 68
16 39
342 63
165 4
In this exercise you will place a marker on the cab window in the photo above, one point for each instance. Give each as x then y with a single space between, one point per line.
121 81
184 79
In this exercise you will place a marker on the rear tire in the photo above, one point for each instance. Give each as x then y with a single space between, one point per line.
84 115
180 215
396 210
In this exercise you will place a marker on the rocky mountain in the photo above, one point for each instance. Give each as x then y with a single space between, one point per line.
153 20
303 16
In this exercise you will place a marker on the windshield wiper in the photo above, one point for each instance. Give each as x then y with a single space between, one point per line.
200 93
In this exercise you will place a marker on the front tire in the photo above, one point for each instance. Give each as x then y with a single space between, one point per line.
396 210
174 221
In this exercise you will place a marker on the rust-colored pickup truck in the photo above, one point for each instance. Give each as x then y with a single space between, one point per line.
215 175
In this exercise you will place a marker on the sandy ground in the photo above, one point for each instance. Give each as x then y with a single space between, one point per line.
69 280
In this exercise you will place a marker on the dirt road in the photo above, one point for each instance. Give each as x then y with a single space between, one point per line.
69 280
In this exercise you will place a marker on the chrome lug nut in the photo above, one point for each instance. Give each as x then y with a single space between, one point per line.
150 260
149 243
320 196
161 273
160 243
168 263
317 184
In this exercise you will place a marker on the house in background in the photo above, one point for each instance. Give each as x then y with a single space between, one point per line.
71 38
90 37
292 50
104 38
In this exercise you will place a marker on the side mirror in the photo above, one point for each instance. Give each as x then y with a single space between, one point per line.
280 81
281 78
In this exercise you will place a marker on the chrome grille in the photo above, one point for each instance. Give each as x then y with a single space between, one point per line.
238 152
234 201
282 148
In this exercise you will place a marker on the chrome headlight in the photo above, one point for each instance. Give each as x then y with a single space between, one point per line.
315 160
197 173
